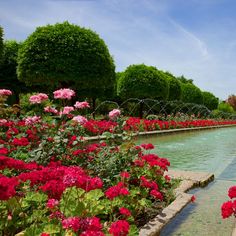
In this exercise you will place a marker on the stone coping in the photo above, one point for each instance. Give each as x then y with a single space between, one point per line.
168 131
234 229
189 180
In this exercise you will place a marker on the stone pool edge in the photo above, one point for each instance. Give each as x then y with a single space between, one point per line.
168 131
190 180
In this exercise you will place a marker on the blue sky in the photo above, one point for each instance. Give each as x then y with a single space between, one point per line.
194 38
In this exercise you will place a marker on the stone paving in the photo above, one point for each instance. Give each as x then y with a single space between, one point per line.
189 180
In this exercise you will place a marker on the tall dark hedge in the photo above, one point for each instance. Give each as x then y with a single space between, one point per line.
175 89
1 42
210 101
141 81
66 55
8 64
191 94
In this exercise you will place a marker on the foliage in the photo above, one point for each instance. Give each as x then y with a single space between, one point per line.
1 43
66 55
182 79
232 101
141 81
191 94
175 90
8 76
225 107
210 101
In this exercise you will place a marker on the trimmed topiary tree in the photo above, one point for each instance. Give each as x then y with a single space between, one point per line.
1 42
210 101
191 94
141 81
175 89
8 76
66 55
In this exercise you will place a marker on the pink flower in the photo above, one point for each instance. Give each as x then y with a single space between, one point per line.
71 223
80 119
5 92
30 120
92 233
38 98
81 105
50 110
124 211
67 110
114 114
52 203
232 192
119 228
64 94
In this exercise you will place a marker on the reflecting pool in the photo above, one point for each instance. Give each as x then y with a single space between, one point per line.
211 151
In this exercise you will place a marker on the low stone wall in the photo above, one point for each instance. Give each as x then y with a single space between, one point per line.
189 180
169 131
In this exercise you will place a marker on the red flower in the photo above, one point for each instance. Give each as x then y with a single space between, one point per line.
125 174
124 211
116 190
7 187
119 228
91 224
227 209
3 151
148 146
193 198
20 141
156 194
232 192
44 234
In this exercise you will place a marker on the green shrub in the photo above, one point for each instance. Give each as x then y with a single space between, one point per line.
8 76
175 90
1 42
191 94
225 107
66 55
210 101
141 81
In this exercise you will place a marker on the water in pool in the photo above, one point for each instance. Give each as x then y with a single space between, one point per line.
211 151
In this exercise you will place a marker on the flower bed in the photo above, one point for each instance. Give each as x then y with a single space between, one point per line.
52 182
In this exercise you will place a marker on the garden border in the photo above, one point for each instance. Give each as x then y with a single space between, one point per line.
168 131
189 180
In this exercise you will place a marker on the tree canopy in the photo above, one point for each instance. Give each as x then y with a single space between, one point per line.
175 89
210 100
1 42
8 64
141 81
191 94
66 55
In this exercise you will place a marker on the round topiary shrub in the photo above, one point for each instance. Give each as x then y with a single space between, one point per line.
175 90
66 55
191 94
210 101
141 81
